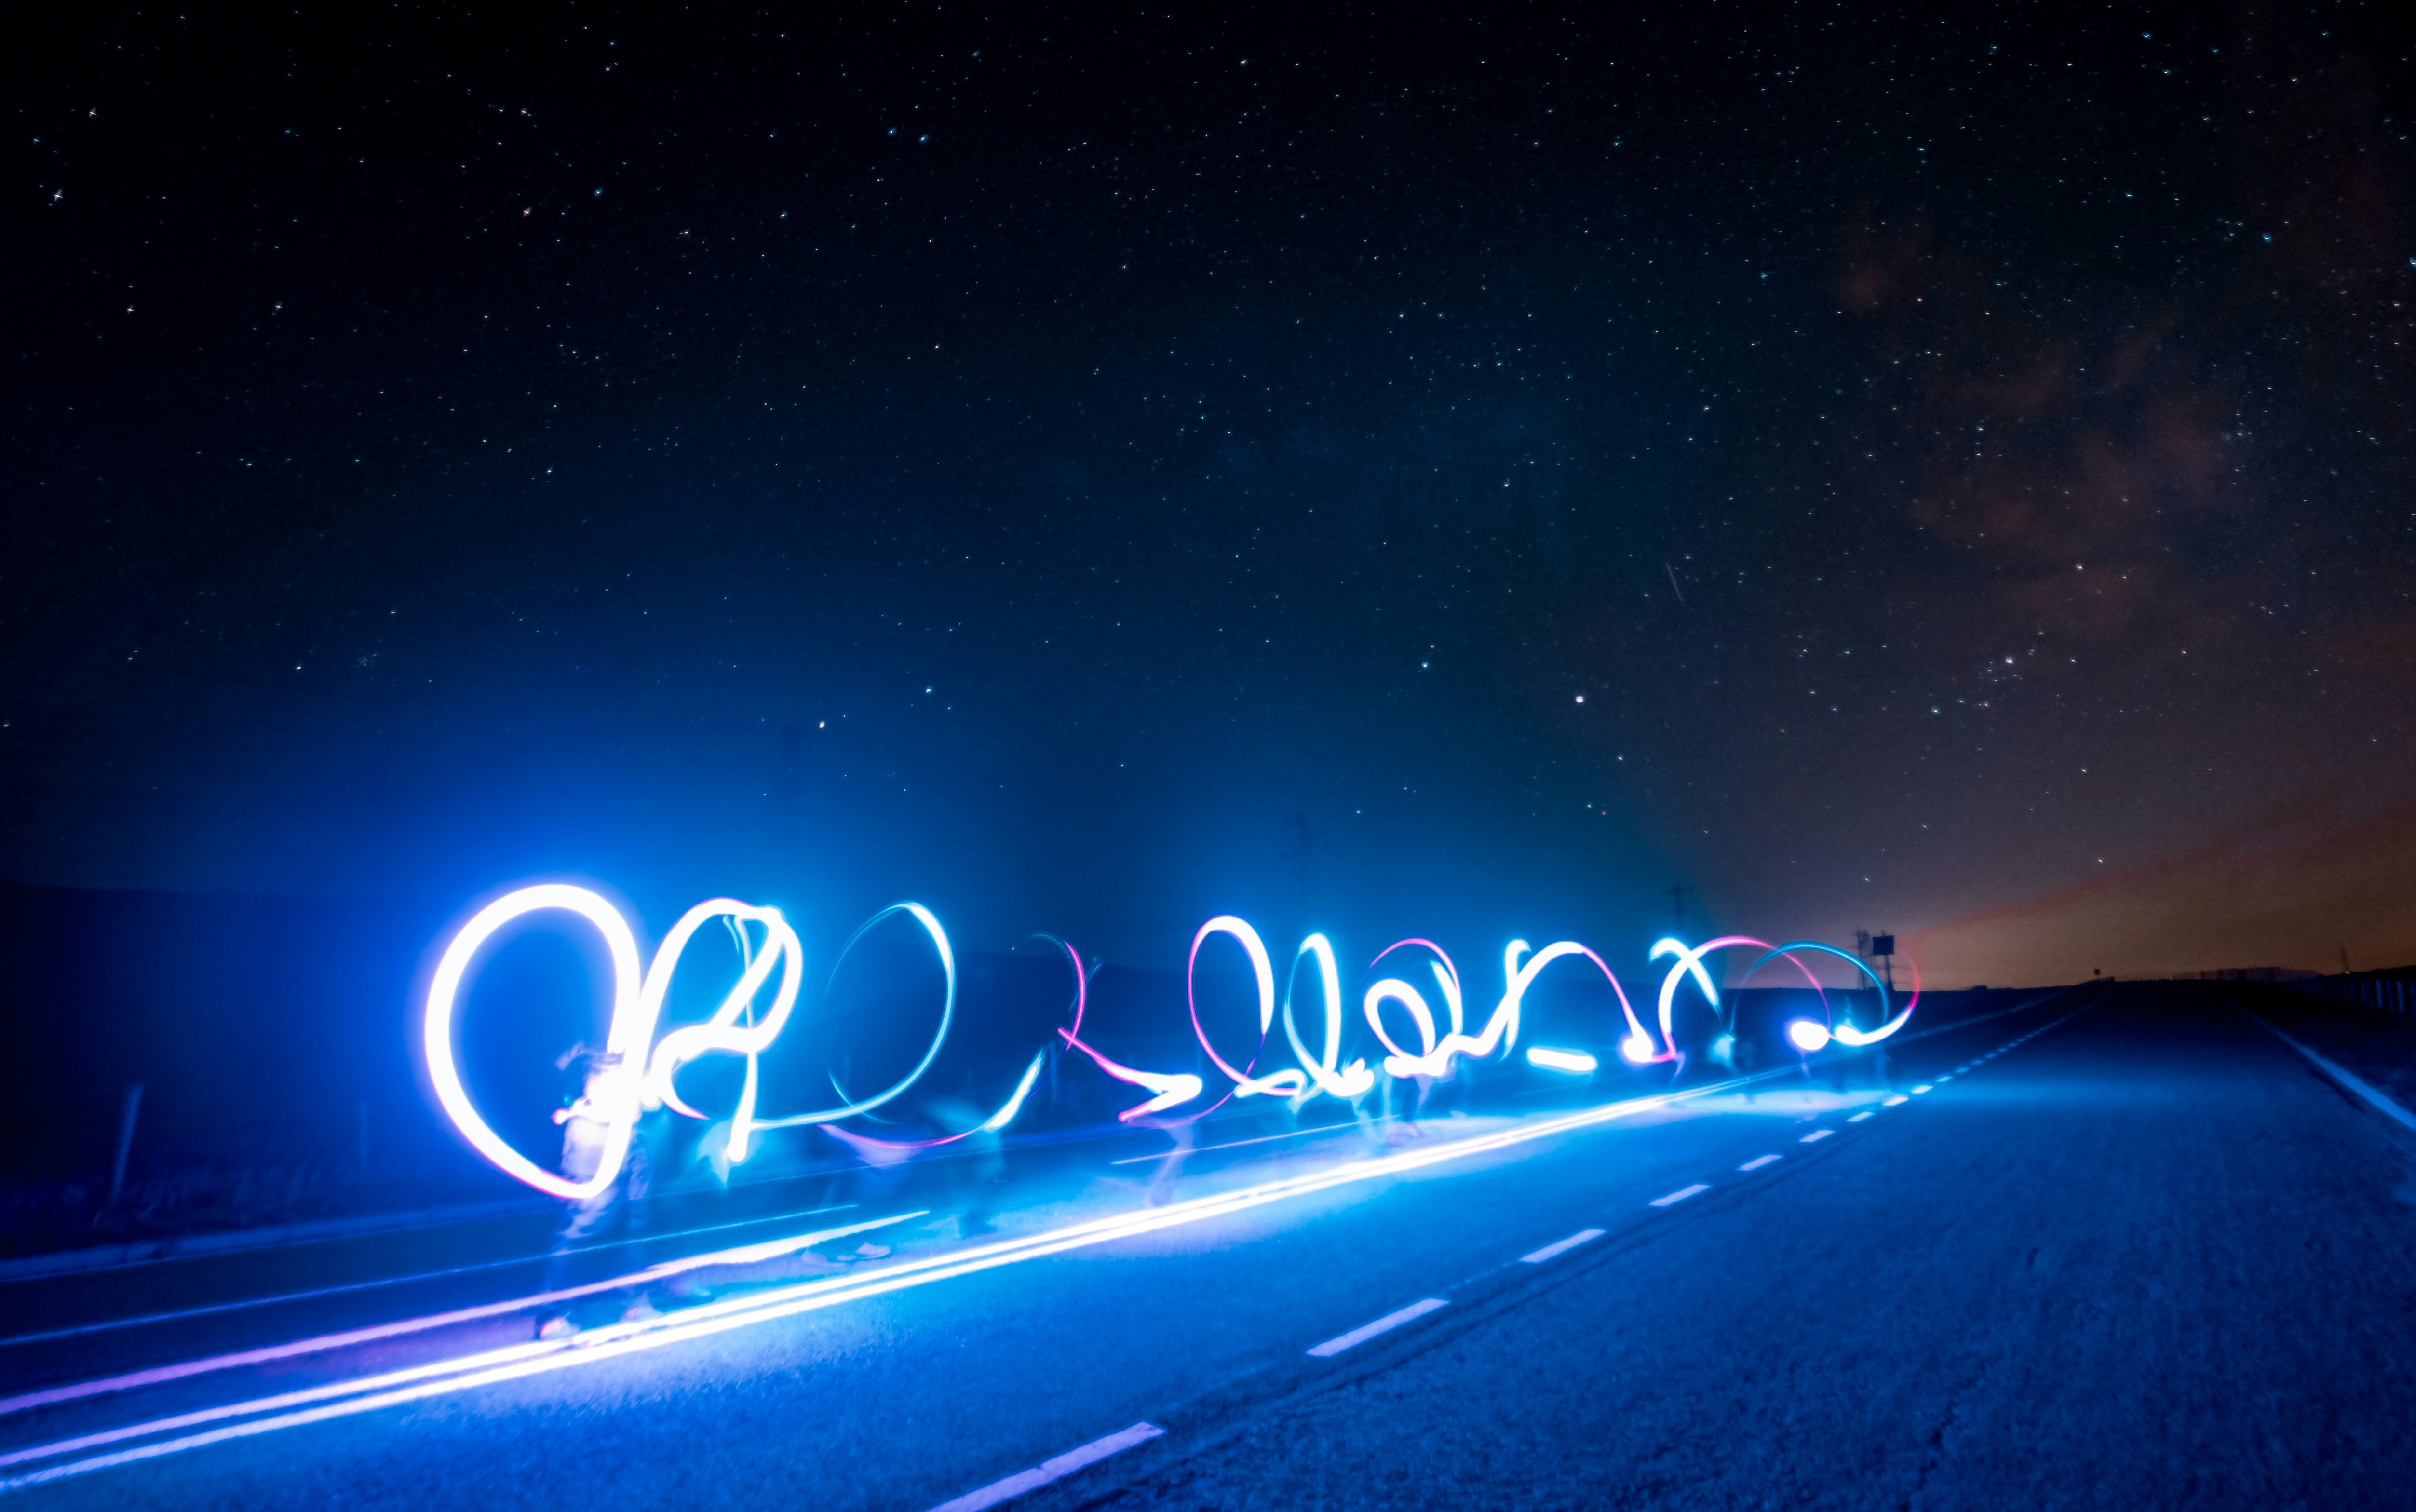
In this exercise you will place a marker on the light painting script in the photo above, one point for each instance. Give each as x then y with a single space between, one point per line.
639 1069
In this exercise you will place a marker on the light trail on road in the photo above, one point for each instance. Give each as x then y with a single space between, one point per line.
487 1368
264 1415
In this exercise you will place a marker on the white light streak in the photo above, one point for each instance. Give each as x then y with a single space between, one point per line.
1577 1063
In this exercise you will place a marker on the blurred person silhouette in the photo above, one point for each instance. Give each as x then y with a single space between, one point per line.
1449 1091
1417 1103
1372 1109
1185 1137
872 1182
621 1205
1866 1065
1741 1050
976 1165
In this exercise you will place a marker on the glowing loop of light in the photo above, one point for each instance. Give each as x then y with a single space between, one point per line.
1804 1034
723 1033
1436 1052
1285 1084
1168 1091
1809 1037
637 1072
847 1107
616 1088
1521 977
1690 964
1348 1082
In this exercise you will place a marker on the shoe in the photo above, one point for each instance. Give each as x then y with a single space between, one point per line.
640 1310
556 1327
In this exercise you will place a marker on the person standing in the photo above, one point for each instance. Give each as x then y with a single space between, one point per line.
621 1203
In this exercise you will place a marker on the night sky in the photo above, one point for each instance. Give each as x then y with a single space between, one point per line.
1945 469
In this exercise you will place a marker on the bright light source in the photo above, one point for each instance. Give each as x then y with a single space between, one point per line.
1809 1036
626 1034
635 1071
1577 1063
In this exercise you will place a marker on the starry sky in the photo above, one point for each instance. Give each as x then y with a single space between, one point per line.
1947 470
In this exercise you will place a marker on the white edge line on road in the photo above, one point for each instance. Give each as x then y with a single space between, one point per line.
1051 1469
2380 1100
1758 1162
1679 1195
1561 1246
1384 1324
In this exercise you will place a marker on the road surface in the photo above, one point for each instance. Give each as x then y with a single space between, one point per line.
2127 1249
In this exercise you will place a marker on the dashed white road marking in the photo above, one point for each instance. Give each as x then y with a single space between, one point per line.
1758 1162
1051 1469
1558 1247
1859 1117
1817 1135
1384 1324
1679 1195
1896 1101
1918 1090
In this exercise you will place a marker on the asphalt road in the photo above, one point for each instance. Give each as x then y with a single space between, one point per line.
2138 1254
